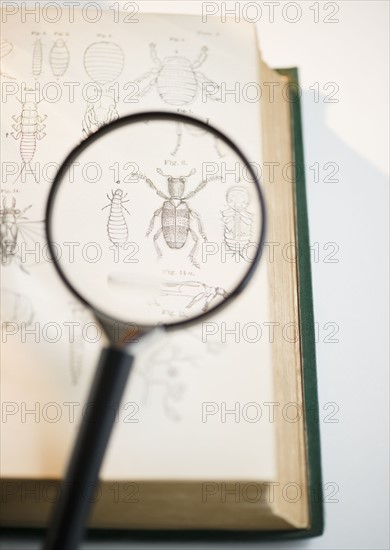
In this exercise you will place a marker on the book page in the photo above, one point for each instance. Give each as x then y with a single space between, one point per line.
194 408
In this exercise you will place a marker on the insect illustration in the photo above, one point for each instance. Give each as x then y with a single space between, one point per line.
116 225
29 128
37 58
176 216
16 308
15 229
176 78
103 62
170 368
6 48
99 113
197 292
59 58
77 345
164 373
237 220
195 132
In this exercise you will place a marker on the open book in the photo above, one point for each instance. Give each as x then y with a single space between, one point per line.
214 431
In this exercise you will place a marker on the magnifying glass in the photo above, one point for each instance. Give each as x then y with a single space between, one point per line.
154 222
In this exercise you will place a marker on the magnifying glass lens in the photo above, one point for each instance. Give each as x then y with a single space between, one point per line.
156 221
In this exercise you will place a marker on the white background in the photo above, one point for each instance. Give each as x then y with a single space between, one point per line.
353 213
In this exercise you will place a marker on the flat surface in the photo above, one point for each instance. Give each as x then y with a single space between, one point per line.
348 61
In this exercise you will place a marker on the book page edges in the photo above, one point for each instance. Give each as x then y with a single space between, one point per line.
146 505
287 361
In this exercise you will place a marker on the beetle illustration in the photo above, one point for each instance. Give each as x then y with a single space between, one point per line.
237 220
99 113
116 225
13 231
176 215
176 78
29 127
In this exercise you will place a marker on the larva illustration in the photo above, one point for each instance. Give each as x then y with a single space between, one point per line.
103 62
117 229
59 58
37 58
28 128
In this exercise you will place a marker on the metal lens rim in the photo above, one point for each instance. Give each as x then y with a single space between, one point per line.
112 126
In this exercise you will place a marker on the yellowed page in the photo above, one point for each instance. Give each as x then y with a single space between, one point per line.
161 432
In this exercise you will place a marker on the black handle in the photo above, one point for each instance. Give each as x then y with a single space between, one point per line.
70 515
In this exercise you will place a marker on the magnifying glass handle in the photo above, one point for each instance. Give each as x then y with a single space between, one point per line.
70 515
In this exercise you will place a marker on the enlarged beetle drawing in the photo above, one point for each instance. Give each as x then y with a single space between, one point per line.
29 127
176 215
116 225
13 231
176 78
99 113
